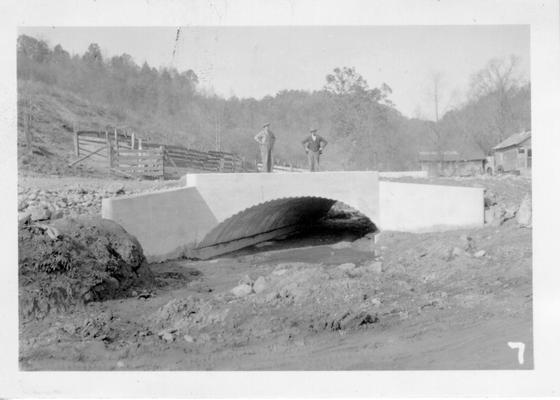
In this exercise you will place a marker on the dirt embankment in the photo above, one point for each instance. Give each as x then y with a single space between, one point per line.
71 262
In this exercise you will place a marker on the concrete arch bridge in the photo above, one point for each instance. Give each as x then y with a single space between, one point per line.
214 214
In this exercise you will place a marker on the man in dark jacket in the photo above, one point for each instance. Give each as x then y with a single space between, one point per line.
265 138
314 146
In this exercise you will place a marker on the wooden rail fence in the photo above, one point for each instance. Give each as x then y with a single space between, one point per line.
133 157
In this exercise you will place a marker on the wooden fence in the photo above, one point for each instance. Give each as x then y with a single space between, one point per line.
130 156
136 163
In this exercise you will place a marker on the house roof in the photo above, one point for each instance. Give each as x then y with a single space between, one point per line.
453 155
513 140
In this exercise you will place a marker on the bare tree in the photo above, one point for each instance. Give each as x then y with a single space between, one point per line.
496 81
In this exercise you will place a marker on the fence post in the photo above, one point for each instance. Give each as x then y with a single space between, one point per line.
139 143
162 151
109 151
116 139
132 141
76 141
27 128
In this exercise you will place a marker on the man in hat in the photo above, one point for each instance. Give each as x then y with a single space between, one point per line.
265 138
314 146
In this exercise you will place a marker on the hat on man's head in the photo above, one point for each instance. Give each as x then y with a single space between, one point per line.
313 130
266 124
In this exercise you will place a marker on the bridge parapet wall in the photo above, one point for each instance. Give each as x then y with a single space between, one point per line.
412 207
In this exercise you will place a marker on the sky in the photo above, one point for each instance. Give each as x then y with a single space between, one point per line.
260 61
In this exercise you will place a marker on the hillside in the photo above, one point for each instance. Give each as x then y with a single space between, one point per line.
54 111
364 129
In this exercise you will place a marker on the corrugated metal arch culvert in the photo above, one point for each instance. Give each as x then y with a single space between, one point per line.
268 217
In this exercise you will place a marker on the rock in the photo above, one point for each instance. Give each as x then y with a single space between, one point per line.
375 267
188 339
467 242
480 253
57 214
489 216
341 245
242 290
490 199
260 284
22 205
51 231
347 266
24 217
457 251
524 214
117 189
375 302
498 214
167 335
246 280
279 272
271 297
77 261
120 364
69 328
39 213
510 211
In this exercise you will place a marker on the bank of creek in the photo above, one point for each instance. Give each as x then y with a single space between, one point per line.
337 296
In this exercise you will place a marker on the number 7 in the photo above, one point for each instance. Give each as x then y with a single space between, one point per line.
520 346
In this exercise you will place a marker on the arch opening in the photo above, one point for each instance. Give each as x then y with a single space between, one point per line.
302 221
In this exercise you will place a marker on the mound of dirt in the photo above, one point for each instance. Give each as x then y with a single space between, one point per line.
73 261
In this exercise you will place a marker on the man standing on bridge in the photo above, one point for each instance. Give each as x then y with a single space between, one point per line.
314 146
265 138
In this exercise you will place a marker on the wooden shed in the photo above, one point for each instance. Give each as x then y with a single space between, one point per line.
514 153
452 163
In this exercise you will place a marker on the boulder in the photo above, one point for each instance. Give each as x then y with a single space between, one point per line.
24 217
242 290
74 261
39 213
480 253
115 189
260 285
510 211
457 251
490 199
167 335
246 280
489 216
524 214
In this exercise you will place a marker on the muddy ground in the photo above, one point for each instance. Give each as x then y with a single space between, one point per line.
326 299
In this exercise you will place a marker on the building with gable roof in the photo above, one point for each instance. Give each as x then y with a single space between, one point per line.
514 154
